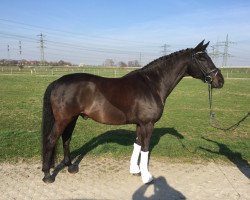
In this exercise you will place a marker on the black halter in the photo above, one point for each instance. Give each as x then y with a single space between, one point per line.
207 74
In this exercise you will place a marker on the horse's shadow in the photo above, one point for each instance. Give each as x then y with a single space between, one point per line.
119 136
234 157
162 190
122 137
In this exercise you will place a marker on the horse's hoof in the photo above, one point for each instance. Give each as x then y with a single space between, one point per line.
135 170
48 179
73 169
147 178
136 174
150 182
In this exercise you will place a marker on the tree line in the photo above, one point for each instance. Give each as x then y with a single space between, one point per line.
22 63
111 63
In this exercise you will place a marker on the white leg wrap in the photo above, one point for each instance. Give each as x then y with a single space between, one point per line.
134 167
145 174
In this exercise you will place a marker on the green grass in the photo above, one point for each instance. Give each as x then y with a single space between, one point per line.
236 72
182 133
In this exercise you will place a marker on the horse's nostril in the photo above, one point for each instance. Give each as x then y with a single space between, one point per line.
221 83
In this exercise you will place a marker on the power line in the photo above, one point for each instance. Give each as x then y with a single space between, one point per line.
10 35
219 50
77 46
75 33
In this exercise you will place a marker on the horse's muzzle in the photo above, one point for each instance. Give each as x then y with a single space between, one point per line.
218 81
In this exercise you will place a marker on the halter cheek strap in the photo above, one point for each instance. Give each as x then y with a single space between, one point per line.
207 74
209 78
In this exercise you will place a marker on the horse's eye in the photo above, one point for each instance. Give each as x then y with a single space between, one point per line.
202 58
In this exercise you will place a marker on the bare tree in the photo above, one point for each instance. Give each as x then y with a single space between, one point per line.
133 63
109 63
122 64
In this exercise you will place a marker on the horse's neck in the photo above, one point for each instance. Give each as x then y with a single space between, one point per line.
167 75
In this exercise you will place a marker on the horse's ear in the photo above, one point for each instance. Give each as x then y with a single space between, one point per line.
205 46
199 46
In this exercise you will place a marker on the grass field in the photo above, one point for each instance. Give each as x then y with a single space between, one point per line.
183 133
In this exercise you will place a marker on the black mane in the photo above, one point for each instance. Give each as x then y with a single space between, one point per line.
165 58
152 65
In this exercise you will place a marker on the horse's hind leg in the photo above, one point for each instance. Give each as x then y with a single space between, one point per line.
50 150
66 137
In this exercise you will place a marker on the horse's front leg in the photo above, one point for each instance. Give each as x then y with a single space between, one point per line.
144 133
134 167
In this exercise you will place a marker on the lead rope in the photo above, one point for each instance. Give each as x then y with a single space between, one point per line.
215 123
211 113
212 117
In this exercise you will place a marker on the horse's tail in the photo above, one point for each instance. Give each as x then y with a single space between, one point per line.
48 121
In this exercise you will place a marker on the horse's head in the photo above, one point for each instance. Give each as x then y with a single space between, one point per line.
202 67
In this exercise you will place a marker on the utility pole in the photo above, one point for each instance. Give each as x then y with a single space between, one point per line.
225 54
41 41
165 46
140 60
20 49
8 51
215 53
20 53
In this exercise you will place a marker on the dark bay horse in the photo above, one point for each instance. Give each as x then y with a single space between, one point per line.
136 98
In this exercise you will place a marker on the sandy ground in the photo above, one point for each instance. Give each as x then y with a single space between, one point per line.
106 178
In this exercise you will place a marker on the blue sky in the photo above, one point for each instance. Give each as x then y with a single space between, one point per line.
89 31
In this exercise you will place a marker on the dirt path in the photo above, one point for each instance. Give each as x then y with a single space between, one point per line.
106 178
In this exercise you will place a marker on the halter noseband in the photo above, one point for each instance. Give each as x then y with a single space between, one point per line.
207 74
